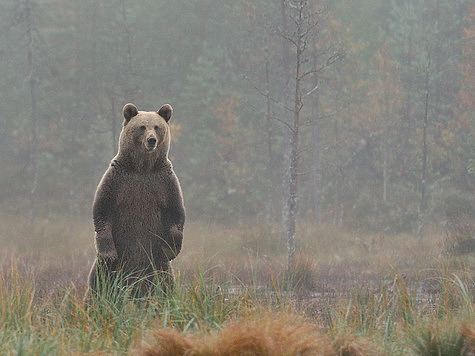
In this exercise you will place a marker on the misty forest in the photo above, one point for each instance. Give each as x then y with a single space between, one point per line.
326 154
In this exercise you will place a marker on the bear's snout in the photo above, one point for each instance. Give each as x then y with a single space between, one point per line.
151 141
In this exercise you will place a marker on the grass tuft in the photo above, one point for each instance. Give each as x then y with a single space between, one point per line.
17 293
436 337
264 335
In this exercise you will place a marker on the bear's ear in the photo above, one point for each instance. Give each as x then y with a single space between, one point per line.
129 111
166 112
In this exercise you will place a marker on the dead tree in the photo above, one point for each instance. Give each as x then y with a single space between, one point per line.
304 24
286 100
299 27
269 168
421 211
305 18
33 147
316 144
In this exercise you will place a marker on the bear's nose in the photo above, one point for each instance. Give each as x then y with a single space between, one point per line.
152 141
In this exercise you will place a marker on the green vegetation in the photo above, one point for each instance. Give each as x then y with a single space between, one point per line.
376 298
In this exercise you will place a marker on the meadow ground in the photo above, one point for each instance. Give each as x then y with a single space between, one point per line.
349 293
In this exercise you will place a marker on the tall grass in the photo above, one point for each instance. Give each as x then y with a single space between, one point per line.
204 317
394 317
16 298
111 319
339 299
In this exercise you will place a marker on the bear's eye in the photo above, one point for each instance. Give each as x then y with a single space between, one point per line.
142 128
156 128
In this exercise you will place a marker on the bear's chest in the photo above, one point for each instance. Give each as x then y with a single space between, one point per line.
141 195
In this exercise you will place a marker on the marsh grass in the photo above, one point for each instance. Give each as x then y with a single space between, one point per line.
437 337
16 298
111 319
233 294
448 330
204 317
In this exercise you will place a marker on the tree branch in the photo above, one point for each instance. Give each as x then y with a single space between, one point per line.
265 94
310 91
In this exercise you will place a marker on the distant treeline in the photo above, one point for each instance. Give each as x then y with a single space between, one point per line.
385 105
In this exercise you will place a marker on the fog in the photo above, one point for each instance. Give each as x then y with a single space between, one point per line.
353 114
326 154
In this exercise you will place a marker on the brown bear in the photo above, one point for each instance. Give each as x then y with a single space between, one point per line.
138 207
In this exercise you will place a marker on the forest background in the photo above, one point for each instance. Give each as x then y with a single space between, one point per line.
386 111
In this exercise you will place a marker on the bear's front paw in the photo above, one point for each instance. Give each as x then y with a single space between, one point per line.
110 255
172 249
169 253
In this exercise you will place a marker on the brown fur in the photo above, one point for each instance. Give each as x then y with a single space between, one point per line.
138 207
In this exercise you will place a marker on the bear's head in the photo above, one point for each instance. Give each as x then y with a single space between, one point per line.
145 135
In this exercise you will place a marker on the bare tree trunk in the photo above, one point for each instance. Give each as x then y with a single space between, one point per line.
285 54
130 90
317 172
33 120
386 149
113 117
407 125
339 180
339 207
95 15
128 37
71 208
286 99
305 24
270 172
291 205
385 172
420 229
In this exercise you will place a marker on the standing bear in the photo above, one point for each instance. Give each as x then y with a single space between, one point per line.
138 207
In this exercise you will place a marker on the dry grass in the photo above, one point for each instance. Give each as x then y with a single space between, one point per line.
285 334
251 253
360 294
468 333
